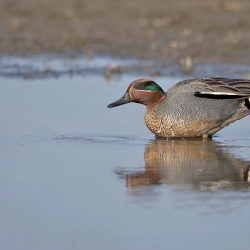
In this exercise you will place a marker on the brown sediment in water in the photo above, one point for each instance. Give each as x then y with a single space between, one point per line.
185 31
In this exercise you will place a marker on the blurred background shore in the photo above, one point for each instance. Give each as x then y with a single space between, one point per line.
184 31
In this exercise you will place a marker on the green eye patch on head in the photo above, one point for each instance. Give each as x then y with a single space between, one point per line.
149 85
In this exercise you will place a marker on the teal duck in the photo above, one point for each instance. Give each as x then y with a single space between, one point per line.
191 108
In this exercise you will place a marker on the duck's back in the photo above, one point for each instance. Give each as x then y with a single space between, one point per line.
182 113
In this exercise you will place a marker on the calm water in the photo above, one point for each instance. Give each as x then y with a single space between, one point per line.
76 175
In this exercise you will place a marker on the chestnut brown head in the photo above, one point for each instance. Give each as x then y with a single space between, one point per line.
144 91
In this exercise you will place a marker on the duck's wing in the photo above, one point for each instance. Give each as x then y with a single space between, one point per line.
222 88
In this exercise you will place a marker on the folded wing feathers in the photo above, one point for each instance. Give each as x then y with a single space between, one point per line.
223 87
218 94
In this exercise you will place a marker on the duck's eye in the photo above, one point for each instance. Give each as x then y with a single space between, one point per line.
148 85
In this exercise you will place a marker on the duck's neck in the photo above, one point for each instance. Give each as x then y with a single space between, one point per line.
158 98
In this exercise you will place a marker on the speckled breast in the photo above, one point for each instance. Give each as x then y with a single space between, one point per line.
167 126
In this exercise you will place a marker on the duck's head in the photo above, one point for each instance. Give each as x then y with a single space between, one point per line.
144 91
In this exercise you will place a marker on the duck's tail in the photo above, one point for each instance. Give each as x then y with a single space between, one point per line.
247 103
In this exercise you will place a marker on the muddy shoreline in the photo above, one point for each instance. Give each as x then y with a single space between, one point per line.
51 65
181 33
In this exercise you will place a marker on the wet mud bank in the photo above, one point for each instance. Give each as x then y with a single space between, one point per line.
182 36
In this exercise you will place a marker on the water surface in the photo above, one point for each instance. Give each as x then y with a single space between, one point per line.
76 175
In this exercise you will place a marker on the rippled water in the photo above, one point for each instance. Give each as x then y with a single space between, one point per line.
76 175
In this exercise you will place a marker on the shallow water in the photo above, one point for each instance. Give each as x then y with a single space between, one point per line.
76 175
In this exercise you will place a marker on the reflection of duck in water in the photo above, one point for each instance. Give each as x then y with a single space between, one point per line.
196 107
205 163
